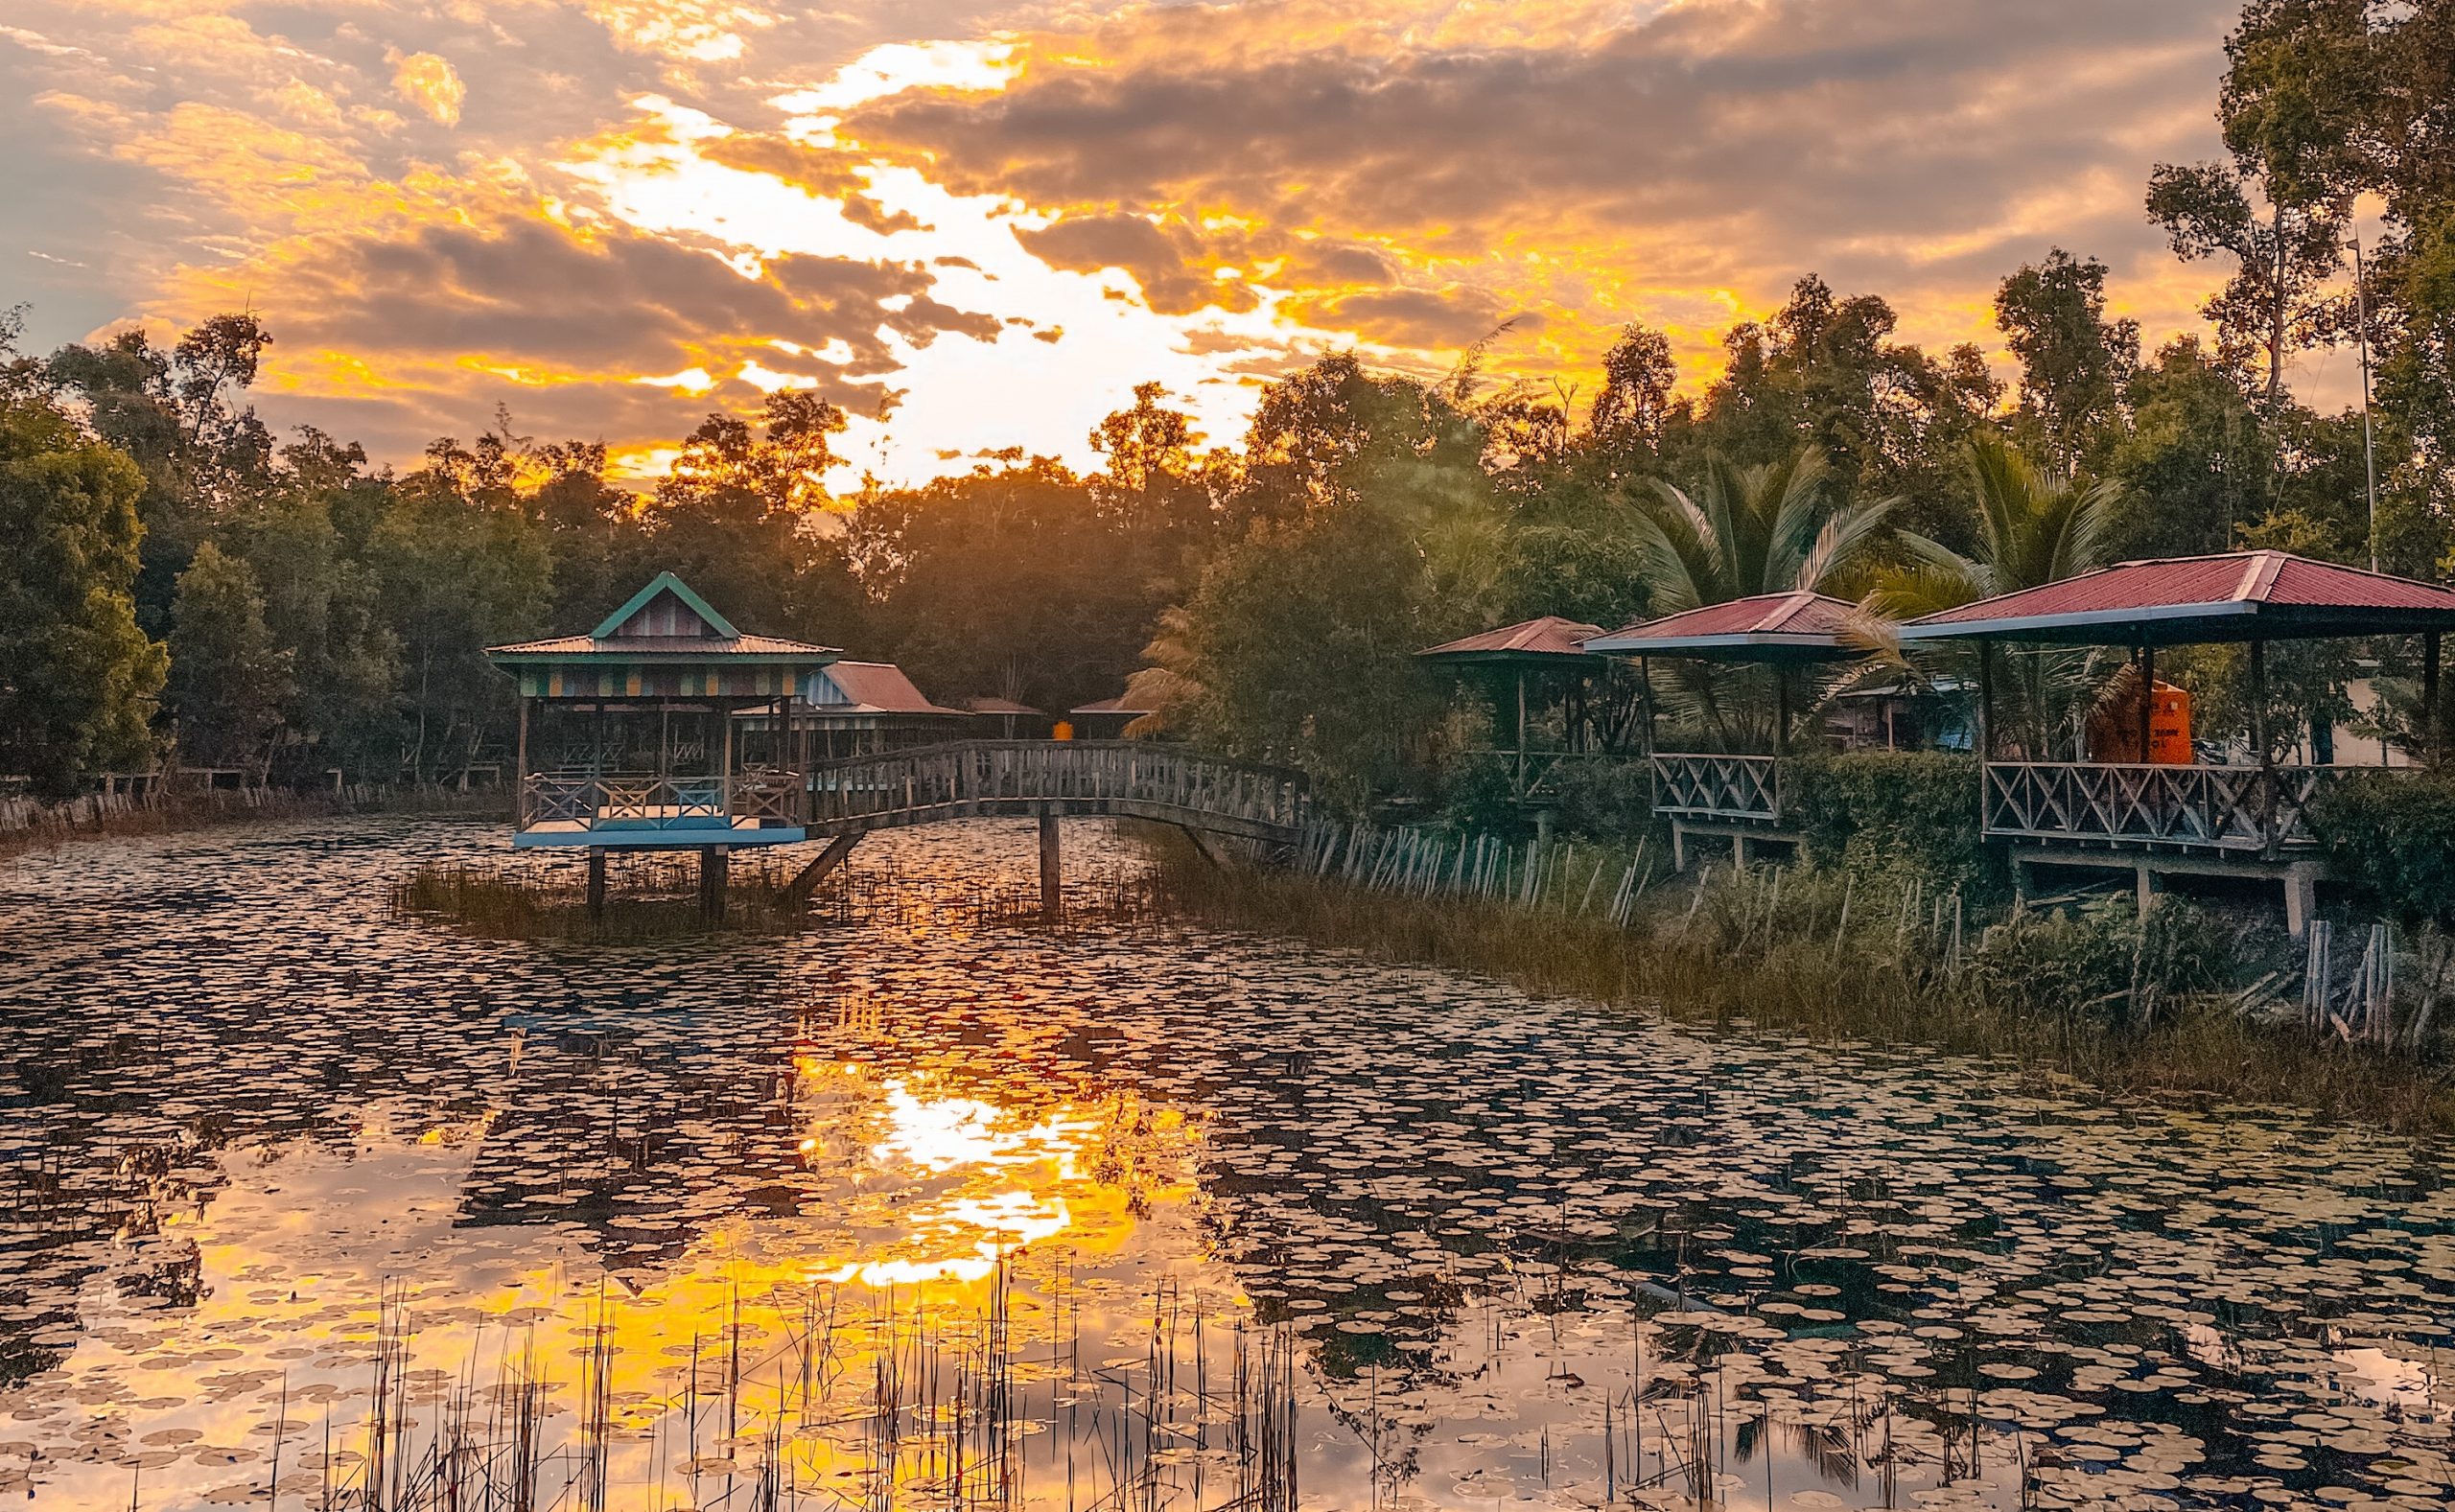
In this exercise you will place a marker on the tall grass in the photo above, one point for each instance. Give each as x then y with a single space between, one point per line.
657 901
2089 992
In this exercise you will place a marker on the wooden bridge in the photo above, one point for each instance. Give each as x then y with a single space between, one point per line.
1204 796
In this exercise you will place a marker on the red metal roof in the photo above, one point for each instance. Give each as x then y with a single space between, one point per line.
2232 596
1548 636
874 687
1766 626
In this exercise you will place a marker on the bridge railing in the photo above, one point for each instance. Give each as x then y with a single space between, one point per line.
973 773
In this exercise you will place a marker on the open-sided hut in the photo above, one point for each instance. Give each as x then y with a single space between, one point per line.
665 728
1729 794
1106 718
1548 658
1005 719
2157 818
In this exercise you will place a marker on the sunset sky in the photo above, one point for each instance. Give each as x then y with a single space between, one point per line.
987 222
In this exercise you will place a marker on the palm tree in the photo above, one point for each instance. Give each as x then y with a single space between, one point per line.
2034 527
1746 531
1749 531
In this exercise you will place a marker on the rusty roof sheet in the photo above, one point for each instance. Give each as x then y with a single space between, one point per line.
1763 627
2235 595
998 706
875 688
1109 706
1549 635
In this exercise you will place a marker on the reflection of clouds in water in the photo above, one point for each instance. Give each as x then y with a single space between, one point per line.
1489 1219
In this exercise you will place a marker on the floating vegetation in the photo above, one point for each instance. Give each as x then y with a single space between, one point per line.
312 1206
2087 990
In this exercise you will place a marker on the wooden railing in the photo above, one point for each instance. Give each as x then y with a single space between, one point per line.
1714 786
994 777
600 800
2237 808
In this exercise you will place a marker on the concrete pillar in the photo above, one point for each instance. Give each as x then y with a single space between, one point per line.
714 865
2301 898
1739 851
1679 845
596 882
2149 887
1052 871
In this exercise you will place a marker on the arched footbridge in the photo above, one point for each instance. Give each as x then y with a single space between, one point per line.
1204 796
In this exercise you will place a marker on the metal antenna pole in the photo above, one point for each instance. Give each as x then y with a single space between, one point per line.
2368 446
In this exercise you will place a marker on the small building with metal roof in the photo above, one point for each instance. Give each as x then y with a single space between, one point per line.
633 738
1736 795
853 708
2161 818
1546 657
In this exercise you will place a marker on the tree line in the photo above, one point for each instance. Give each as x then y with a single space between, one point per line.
185 586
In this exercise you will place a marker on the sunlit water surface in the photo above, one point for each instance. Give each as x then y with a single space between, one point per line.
307 1205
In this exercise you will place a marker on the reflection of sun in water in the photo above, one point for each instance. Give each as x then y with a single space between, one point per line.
963 1137
971 1181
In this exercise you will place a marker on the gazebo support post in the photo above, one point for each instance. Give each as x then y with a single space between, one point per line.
1052 869
596 883
1985 727
1521 731
520 770
1644 701
2429 732
2147 700
2262 748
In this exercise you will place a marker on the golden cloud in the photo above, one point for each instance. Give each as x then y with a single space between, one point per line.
431 83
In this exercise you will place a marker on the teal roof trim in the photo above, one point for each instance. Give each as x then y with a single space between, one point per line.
664 582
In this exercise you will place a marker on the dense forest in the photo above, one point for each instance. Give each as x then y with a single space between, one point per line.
185 586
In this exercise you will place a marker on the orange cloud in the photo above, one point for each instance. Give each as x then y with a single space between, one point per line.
430 84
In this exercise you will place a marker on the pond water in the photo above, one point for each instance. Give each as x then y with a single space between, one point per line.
306 1205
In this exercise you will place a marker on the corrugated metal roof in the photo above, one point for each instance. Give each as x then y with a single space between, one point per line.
1109 706
686 647
2233 596
1549 635
998 706
1763 626
875 688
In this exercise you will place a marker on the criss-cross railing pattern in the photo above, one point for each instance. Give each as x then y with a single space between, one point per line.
2208 808
1005 776
617 801
1717 786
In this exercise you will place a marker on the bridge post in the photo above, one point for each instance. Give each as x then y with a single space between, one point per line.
1052 874
715 863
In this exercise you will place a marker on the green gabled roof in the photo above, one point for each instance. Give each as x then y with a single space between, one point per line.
665 583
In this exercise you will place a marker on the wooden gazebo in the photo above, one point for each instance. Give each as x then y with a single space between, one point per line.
1727 794
633 737
1549 654
2175 817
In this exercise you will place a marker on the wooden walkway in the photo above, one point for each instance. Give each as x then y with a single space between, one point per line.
1127 779
1047 780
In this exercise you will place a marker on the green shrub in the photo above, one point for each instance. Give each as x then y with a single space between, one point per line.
2391 835
1605 799
1478 795
2095 961
1894 816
